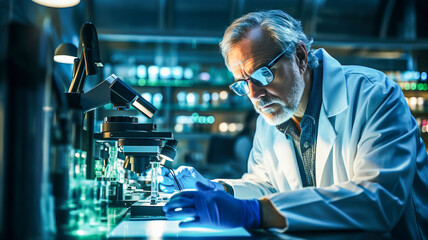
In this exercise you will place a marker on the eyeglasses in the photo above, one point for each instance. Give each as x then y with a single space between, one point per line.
261 77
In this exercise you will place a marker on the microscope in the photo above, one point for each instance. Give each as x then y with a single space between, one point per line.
143 148
145 151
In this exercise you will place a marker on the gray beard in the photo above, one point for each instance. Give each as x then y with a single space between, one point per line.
275 117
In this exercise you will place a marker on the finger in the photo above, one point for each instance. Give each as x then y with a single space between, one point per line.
183 170
187 224
183 213
166 180
171 180
187 182
180 195
166 189
165 171
179 170
202 187
185 193
180 202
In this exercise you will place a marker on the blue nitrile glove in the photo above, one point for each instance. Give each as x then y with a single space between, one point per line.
187 177
166 181
209 207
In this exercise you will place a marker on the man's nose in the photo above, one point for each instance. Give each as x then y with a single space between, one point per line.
256 92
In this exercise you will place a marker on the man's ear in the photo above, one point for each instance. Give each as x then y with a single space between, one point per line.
302 57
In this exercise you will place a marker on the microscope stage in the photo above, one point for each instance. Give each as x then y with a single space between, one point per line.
143 209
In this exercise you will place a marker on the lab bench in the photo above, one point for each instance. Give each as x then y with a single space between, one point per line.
120 225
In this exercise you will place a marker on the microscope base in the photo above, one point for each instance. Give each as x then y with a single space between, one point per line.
143 209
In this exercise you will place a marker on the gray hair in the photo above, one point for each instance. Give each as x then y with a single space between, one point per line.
282 28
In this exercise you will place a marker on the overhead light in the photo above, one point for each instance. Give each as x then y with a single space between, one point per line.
423 76
141 71
223 126
57 3
153 72
177 72
188 73
165 72
223 95
204 76
65 53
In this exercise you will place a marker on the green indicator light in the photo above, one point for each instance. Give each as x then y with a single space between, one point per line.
195 117
420 86
425 86
202 119
210 119
407 86
141 82
413 86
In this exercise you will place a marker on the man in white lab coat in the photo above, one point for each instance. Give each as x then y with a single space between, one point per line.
336 147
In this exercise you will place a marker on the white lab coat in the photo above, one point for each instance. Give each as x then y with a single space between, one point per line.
371 165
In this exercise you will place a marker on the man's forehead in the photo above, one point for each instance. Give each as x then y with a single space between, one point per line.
237 63
248 59
255 49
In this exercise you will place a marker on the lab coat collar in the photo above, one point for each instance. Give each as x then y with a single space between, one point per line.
333 82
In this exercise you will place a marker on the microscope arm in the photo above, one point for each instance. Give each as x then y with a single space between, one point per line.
98 96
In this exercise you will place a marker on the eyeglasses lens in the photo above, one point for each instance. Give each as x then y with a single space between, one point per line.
240 87
261 77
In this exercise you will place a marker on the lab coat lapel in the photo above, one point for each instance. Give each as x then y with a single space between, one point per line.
284 151
334 93
335 101
325 141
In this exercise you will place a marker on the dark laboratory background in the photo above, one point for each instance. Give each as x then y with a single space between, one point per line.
167 51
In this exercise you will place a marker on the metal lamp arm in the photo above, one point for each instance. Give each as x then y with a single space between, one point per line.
78 76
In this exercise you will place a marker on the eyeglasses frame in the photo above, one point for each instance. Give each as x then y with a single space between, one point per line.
268 66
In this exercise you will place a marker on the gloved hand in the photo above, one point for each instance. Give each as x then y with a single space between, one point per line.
212 208
187 177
